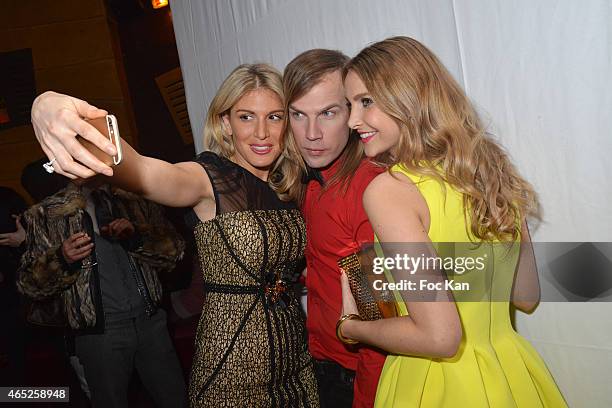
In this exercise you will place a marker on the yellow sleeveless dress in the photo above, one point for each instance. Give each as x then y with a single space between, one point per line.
495 366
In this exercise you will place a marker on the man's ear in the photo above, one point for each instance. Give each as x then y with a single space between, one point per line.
225 124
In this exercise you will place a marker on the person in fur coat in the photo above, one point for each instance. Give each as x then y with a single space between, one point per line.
95 253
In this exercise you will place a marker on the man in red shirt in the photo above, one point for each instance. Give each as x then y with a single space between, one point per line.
336 222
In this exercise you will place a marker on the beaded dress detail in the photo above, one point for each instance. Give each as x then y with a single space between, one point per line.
251 344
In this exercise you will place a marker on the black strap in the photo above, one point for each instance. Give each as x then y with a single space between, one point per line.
233 289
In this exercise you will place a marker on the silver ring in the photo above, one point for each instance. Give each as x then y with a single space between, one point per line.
49 166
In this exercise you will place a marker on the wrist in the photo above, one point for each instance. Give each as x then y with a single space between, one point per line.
65 263
349 328
59 253
347 321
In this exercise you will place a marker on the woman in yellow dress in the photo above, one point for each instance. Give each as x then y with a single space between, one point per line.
448 182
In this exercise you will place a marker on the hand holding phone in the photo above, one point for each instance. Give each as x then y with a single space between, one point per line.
57 119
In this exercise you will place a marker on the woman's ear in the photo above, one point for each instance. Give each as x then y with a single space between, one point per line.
225 124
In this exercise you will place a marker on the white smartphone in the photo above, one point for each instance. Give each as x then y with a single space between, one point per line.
114 137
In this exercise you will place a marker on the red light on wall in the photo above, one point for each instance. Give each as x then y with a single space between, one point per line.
159 3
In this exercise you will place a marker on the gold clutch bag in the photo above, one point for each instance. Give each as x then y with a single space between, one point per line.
372 304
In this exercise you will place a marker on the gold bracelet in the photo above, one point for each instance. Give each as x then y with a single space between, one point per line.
344 318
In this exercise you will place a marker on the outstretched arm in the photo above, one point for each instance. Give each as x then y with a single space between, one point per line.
175 185
57 119
432 328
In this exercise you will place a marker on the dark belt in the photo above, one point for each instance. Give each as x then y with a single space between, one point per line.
233 289
329 368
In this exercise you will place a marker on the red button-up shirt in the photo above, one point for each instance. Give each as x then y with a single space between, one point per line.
336 226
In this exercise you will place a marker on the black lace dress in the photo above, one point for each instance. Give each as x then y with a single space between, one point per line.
251 345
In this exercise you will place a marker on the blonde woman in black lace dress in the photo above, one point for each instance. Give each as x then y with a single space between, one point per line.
251 341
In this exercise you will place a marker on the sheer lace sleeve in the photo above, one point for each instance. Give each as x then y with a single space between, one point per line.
235 188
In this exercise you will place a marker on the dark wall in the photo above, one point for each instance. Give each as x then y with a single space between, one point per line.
149 49
67 46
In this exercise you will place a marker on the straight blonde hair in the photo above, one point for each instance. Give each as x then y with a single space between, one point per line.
300 76
441 135
242 80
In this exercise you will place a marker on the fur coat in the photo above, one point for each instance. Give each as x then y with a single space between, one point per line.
44 274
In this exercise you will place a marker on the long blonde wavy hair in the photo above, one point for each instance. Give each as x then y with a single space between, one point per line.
442 136
242 80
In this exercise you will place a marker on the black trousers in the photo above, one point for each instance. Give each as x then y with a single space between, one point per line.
140 343
335 384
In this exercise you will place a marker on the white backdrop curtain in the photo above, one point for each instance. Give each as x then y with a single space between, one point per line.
540 73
